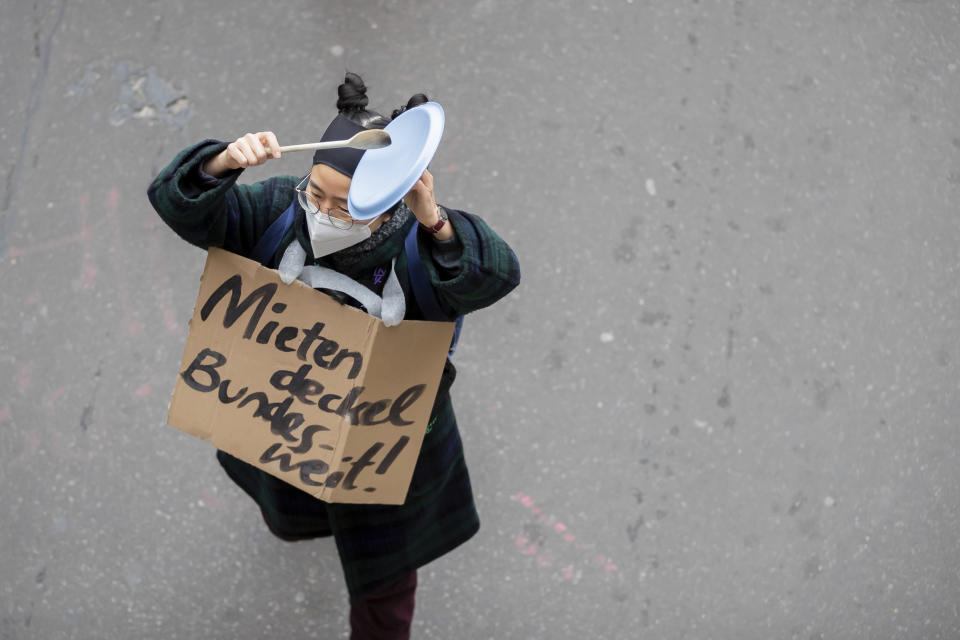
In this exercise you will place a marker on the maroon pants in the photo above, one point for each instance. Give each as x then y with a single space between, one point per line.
386 613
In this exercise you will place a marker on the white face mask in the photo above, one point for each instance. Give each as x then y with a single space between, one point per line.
326 238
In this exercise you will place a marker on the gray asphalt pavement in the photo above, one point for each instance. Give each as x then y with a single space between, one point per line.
722 404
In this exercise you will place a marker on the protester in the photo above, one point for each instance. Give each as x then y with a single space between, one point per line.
468 266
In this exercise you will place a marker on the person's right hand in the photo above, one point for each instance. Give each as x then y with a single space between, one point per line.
249 150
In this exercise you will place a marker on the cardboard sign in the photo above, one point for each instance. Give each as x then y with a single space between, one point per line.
321 395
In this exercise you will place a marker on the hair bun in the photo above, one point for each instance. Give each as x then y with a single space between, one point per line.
415 101
352 94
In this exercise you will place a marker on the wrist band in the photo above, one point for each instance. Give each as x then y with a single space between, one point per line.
442 221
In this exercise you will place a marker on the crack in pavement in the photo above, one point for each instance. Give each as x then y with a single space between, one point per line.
33 105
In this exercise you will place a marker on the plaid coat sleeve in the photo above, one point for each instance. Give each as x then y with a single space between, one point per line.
212 212
489 268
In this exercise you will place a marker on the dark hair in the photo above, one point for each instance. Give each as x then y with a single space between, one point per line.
415 101
352 103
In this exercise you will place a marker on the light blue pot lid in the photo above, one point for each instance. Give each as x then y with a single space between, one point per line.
385 175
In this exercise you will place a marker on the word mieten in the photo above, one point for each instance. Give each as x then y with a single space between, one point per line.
236 308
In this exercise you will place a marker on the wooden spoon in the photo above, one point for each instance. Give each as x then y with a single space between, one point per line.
369 139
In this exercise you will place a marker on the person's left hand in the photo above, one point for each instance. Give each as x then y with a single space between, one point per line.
421 201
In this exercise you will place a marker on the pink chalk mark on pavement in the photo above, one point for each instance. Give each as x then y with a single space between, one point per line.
211 500
546 559
133 326
88 273
17 252
55 395
88 268
170 321
143 391
23 378
83 236
163 292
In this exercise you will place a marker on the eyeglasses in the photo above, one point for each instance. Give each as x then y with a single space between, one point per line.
339 217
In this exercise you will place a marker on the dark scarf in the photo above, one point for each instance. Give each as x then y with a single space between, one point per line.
347 259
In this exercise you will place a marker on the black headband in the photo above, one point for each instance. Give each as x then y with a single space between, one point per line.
344 160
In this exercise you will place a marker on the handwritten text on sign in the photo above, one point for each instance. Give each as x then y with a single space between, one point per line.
321 395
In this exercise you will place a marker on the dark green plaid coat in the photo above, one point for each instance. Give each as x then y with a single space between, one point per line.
376 543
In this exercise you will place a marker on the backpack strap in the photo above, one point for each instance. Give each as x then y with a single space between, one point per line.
422 291
269 242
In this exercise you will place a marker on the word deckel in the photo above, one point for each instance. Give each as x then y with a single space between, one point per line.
326 412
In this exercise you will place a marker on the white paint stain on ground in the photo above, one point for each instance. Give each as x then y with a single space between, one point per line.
144 95
651 187
703 425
